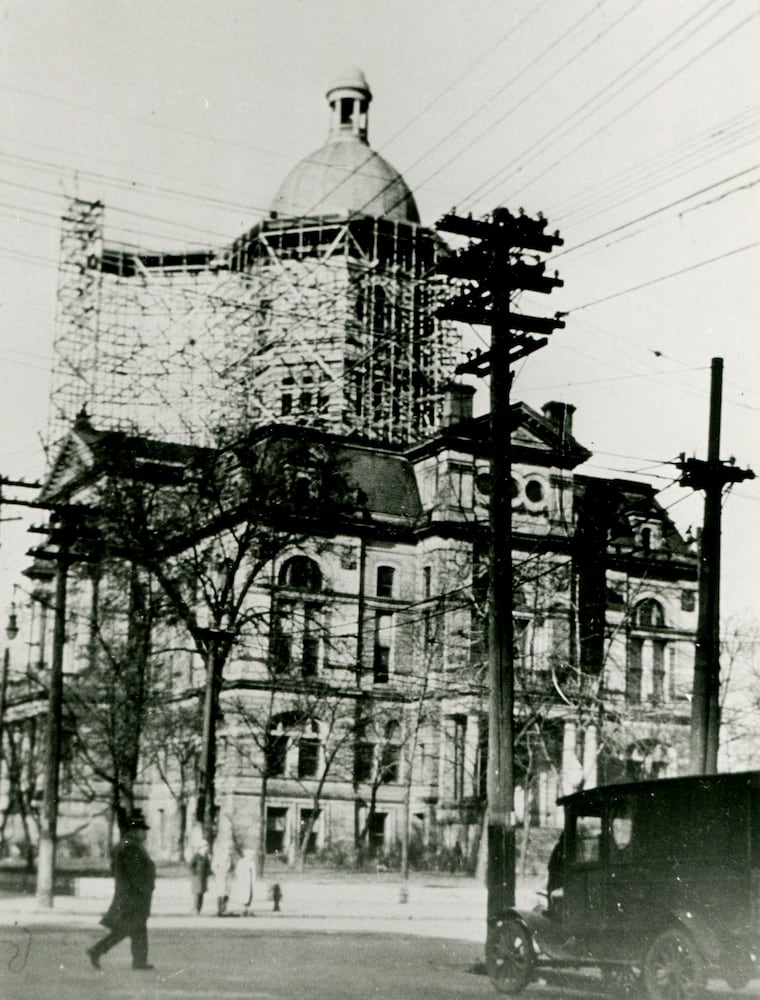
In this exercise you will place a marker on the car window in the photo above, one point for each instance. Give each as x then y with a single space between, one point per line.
588 838
621 831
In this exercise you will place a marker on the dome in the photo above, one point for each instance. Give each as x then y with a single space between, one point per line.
346 176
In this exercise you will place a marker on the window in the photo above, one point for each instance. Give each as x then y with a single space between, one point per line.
389 762
648 677
308 756
458 739
688 600
519 641
381 663
560 659
385 576
588 838
276 751
376 832
428 626
621 830
534 491
427 578
649 614
296 639
304 818
310 641
300 573
364 759
277 822
481 782
460 478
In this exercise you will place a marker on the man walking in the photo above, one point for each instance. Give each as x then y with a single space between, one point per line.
134 878
200 870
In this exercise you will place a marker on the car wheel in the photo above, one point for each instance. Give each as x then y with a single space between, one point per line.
673 969
624 979
509 956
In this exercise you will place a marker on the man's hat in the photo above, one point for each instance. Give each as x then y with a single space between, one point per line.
137 821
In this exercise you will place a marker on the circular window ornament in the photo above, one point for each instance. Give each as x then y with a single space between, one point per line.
534 491
483 483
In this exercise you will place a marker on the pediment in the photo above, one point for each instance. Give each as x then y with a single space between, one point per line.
538 440
73 462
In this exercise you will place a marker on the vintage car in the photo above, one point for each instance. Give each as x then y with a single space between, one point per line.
657 883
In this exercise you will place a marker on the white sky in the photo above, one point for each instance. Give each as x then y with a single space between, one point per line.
183 117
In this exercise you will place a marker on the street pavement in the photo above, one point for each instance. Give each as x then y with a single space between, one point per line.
337 937
247 963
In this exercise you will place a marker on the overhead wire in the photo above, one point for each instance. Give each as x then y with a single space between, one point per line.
534 90
665 277
663 208
692 61
645 175
600 98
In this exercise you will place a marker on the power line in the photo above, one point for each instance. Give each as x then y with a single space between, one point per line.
666 277
510 111
640 100
663 208
601 97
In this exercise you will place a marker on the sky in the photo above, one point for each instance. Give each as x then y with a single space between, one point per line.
632 125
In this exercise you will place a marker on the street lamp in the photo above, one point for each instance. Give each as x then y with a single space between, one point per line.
11 631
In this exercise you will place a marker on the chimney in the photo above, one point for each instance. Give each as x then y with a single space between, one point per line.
457 404
560 415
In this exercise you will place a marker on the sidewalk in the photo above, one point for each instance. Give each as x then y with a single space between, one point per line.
437 905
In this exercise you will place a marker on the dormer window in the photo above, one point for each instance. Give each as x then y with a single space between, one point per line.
649 614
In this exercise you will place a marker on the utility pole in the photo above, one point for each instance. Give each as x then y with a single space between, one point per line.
492 269
11 631
710 476
49 820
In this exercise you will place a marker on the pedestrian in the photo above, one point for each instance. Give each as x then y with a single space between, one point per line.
134 878
225 859
200 870
243 882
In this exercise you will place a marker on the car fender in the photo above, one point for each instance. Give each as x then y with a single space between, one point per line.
534 921
530 919
703 934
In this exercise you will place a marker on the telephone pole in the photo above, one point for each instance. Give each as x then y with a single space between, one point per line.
491 270
710 476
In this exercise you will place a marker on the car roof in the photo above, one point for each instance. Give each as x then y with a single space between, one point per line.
589 796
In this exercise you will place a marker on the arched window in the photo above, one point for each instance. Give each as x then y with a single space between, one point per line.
300 573
649 614
297 627
648 678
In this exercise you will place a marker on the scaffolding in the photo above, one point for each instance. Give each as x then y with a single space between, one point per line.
324 323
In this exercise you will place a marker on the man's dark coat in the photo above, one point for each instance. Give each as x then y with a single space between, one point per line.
134 877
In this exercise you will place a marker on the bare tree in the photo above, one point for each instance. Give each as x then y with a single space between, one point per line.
199 526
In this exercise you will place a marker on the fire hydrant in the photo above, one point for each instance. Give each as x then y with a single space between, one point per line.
276 896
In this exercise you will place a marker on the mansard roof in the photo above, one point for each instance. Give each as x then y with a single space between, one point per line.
380 480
